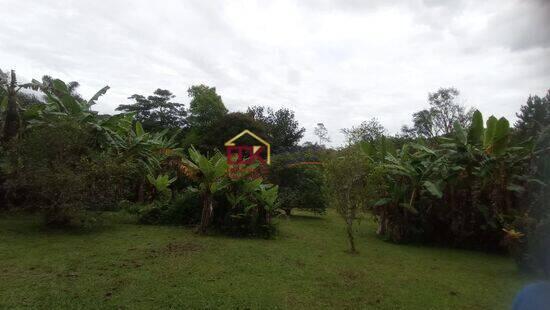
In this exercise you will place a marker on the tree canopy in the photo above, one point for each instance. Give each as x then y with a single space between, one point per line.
206 106
368 131
157 111
534 116
440 118
283 129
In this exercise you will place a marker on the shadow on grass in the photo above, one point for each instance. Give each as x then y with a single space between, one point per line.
32 223
306 217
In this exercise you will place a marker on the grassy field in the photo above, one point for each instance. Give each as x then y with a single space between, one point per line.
130 266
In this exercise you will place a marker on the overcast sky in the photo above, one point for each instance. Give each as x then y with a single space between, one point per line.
335 62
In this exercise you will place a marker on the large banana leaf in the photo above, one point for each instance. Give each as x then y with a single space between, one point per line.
501 137
490 133
475 134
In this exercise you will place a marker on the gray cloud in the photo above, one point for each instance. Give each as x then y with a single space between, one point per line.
336 62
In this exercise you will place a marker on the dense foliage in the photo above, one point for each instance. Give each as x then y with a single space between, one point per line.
300 179
66 160
157 112
453 179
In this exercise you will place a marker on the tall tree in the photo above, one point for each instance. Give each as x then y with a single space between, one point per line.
206 106
534 116
439 119
283 129
157 112
322 133
368 131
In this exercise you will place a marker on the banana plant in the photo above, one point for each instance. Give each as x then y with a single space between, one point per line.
210 174
268 195
60 102
416 169
243 193
161 182
162 185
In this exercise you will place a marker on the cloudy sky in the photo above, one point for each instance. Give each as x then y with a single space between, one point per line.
336 62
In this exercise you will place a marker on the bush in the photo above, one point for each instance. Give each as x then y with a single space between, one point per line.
183 209
55 169
245 209
300 181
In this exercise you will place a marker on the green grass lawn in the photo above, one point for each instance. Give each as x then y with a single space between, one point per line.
132 266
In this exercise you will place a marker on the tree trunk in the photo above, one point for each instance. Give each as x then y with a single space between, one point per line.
141 192
383 224
349 230
288 212
12 123
206 214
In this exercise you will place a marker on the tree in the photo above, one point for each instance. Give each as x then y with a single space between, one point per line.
229 126
157 112
206 106
210 174
534 116
283 129
322 133
368 131
346 187
439 119
299 175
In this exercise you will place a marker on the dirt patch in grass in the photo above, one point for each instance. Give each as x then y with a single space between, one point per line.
351 275
175 249
178 248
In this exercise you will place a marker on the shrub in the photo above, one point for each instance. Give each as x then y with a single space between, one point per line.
245 208
54 168
225 199
300 181
183 209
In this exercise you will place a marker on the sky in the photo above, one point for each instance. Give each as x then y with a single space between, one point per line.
337 62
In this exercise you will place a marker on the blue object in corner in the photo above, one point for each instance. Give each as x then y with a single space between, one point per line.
534 296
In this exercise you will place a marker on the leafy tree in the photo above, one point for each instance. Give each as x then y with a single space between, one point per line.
206 106
114 135
533 117
283 129
299 176
368 131
440 118
227 127
157 112
322 133
57 168
346 184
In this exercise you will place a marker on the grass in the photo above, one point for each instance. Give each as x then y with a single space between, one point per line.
131 266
